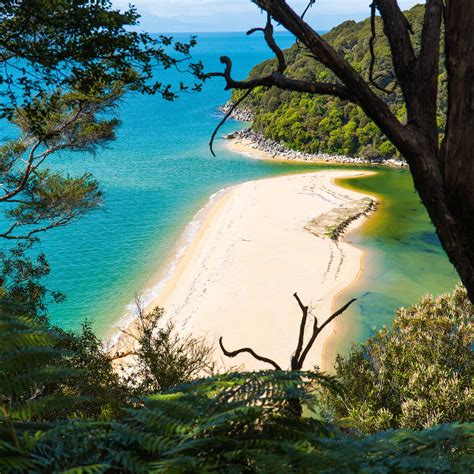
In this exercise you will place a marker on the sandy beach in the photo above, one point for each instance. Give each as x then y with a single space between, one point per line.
251 253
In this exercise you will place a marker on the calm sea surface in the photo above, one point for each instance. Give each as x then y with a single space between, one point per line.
159 173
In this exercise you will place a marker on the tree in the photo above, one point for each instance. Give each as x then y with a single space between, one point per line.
20 280
65 65
158 357
302 347
77 45
442 166
35 198
415 374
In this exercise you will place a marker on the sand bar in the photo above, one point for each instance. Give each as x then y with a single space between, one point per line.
251 253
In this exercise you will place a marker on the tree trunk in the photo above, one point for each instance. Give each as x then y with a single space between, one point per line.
457 157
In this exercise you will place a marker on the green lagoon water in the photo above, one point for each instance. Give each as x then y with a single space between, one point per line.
159 173
403 257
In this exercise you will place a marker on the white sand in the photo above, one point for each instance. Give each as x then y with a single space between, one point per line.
237 278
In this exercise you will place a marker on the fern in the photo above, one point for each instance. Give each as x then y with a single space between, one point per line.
241 423
31 368
238 422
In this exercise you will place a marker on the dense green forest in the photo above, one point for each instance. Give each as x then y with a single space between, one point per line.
326 124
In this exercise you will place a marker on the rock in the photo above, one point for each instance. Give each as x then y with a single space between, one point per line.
333 223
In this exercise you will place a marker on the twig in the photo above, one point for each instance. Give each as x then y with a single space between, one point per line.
223 121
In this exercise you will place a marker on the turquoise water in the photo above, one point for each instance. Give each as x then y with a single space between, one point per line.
155 177
159 173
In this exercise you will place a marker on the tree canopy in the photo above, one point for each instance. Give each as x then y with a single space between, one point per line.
416 373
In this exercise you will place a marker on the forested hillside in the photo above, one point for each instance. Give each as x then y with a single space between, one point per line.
327 124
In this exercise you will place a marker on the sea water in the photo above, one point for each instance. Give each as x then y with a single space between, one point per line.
159 173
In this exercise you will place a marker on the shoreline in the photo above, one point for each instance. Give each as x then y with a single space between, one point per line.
217 254
252 144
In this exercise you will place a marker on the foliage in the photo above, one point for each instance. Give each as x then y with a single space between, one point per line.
416 374
30 367
238 422
35 198
103 390
326 124
20 279
76 45
161 358
89 374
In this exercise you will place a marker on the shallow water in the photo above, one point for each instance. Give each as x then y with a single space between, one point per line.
403 257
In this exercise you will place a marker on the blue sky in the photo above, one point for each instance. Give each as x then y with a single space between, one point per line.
239 15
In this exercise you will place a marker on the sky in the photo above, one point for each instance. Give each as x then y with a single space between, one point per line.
239 15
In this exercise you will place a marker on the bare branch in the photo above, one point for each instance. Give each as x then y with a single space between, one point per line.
122 355
251 352
373 36
275 79
272 44
336 314
223 121
310 4
317 330
299 347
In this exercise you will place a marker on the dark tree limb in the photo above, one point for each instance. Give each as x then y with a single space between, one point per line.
318 329
373 36
272 44
223 121
424 107
299 347
299 356
251 352
397 29
122 355
310 4
279 80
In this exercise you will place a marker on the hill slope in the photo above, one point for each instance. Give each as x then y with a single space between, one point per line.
326 124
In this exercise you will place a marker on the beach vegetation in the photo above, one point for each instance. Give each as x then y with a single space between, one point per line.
415 374
157 357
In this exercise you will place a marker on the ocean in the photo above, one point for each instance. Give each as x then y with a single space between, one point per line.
160 172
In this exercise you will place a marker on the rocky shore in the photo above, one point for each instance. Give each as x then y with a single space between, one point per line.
241 115
258 142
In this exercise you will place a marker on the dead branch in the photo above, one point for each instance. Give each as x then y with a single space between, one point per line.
251 352
299 356
226 116
299 347
318 329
